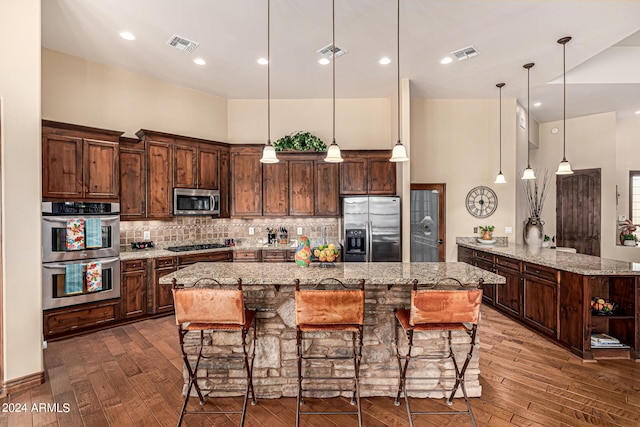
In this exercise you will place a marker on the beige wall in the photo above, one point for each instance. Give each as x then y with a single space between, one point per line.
21 182
591 142
457 142
360 123
78 91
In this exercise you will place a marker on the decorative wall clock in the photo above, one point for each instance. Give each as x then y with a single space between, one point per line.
481 202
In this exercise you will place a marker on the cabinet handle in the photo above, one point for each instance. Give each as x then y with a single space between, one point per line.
104 312
59 321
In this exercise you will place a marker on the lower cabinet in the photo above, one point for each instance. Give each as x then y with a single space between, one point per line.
133 288
509 295
540 298
162 299
280 255
70 320
247 256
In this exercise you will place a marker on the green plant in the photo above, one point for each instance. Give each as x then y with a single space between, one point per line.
630 236
300 141
546 238
488 228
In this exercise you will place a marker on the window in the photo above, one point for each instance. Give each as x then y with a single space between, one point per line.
634 196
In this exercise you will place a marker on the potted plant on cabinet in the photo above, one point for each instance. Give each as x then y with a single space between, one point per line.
299 141
487 232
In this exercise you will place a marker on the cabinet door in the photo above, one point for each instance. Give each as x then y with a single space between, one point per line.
327 179
275 189
184 166
132 184
159 180
382 177
224 179
465 255
354 178
62 167
488 291
134 294
508 296
208 168
101 171
163 300
301 188
540 300
246 197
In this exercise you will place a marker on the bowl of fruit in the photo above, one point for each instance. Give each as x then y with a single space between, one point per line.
601 307
326 254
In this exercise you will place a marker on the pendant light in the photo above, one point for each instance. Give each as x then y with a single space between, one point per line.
564 168
500 178
528 172
268 152
333 153
399 153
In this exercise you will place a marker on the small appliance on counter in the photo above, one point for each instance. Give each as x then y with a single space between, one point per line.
271 236
142 245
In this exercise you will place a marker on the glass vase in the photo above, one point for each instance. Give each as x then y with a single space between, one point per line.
534 232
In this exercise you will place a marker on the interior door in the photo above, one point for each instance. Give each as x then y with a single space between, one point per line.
428 202
578 211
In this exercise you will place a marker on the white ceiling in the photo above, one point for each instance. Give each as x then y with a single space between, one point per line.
603 59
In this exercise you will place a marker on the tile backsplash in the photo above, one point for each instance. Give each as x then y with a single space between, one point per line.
215 230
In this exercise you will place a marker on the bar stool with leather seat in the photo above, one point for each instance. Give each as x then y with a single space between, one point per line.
329 307
210 306
436 309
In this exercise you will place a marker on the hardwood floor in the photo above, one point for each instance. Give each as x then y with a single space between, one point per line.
132 376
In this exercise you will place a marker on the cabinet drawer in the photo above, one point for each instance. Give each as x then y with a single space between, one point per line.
485 256
208 257
275 255
247 256
164 262
511 263
79 318
540 272
485 265
134 265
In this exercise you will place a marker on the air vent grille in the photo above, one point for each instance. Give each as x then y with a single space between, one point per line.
328 50
465 53
182 44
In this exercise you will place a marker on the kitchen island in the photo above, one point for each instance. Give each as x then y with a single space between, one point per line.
269 289
551 291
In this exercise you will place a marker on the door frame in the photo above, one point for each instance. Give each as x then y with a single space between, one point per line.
442 220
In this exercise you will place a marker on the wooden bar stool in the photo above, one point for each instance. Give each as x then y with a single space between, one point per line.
208 306
438 310
329 306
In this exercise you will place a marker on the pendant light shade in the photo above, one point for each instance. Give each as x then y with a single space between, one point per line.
399 153
500 179
333 153
528 172
268 152
564 168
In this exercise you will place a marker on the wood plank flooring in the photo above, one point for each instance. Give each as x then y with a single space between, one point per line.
132 376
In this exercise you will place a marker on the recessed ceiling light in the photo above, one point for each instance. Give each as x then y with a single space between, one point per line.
537 104
127 35
263 61
446 60
385 61
324 61
638 112
199 61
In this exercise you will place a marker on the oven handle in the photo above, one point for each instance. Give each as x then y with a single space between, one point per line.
107 219
107 261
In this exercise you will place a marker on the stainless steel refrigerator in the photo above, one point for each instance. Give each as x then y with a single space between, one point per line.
372 229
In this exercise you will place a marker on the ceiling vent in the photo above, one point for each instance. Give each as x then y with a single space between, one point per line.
327 51
182 44
465 53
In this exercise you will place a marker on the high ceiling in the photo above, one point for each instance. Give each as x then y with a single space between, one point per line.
603 59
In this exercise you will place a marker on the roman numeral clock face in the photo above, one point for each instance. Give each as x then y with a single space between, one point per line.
481 202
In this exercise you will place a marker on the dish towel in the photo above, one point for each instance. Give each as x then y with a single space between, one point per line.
73 279
75 234
94 277
93 232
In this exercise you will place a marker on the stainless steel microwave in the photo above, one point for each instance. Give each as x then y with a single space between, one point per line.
188 201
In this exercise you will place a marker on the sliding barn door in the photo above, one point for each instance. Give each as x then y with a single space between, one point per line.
578 211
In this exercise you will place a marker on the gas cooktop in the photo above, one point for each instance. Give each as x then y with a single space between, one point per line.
195 247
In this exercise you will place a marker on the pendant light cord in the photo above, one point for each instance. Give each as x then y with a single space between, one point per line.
268 72
500 86
564 103
528 67
398 66
333 66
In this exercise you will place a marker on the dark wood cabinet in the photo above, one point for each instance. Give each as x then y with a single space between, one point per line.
275 255
246 193
79 162
162 300
133 178
275 189
327 184
87 316
301 188
133 288
367 172
509 296
159 180
225 183
540 299
185 168
247 256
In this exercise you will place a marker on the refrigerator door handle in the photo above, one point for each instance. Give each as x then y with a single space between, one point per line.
370 242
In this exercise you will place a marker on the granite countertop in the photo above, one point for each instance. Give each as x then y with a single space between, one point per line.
130 254
575 263
377 273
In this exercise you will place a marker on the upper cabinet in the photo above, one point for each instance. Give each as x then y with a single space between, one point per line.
196 166
367 172
79 162
327 182
246 188
133 178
